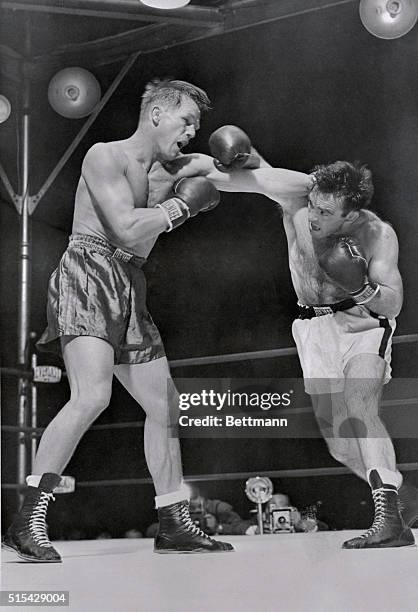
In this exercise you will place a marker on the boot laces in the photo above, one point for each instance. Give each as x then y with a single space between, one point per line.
380 505
188 523
37 524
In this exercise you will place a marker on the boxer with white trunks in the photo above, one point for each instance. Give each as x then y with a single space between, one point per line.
343 262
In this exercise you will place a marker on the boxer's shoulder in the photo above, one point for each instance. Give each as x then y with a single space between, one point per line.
376 237
373 230
103 154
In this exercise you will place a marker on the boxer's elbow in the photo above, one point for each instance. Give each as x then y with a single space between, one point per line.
388 303
390 313
130 235
142 224
395 310
397 301
123 230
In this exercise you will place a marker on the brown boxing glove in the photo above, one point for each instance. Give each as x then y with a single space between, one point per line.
346 264
231 148
192 196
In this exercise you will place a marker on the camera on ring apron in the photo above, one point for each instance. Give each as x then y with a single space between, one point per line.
281 520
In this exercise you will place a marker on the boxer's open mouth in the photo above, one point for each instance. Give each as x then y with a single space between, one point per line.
182 143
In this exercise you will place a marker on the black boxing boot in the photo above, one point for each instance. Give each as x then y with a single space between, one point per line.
388 529
408 503
28 535
178 534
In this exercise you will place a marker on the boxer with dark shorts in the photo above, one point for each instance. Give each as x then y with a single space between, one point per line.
97 313
100 291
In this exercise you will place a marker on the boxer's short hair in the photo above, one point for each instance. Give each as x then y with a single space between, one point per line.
352 182
170 93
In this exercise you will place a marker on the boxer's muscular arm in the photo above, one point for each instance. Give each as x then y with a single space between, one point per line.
278 184
383 269
113 199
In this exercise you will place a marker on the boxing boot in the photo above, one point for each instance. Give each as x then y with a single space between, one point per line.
408 503
28 535
178 534
388 528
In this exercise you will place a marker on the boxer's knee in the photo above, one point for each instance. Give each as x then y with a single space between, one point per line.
173 403
86 405
362 406
338 449
163 409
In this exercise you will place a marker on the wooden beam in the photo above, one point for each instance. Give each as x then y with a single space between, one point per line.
59 10
237 15
119 9
249 13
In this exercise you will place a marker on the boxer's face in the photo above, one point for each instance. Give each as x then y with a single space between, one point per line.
177 126
325 214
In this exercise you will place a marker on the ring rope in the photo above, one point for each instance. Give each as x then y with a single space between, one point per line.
265 354
212 359
40 430
296 473
37 431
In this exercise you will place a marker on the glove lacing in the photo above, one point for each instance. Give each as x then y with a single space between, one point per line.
37 524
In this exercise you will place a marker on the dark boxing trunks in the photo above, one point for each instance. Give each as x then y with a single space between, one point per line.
99 290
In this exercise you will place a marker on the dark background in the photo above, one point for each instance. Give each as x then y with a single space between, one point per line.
309 90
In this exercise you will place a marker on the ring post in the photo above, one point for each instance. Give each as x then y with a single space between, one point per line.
34 413
25 266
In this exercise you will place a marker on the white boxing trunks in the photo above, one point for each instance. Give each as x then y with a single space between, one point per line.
326 343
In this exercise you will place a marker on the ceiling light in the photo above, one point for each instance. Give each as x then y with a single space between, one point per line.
165 4
5 108
388 18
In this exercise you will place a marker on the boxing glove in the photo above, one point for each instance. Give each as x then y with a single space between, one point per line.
231 148
193 195
346 265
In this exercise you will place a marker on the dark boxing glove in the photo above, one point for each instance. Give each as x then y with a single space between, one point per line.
231 148
346 265
193 195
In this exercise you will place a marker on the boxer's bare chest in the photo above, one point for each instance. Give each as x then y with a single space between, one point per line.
148 187
160 184
138 182
310 282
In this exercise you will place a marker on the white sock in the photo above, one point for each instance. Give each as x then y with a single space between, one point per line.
388 476
33 480
172 498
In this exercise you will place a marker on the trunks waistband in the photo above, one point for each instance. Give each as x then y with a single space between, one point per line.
105 248
319 310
